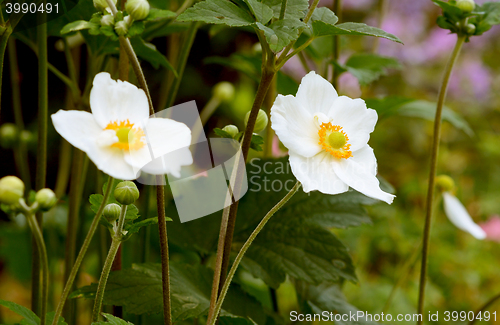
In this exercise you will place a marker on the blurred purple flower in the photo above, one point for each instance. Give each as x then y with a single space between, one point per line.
492 228
472 78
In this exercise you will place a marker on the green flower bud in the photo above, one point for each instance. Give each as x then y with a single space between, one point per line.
8 135
112 212
138 9
445 183
121 28
224 91
46 199
470 29
126 192
11 190
27 138
231 129
260 123
466 5
257 48
101 5
107 20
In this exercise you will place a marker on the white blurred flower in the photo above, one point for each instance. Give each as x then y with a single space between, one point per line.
458 215
119 137
327 137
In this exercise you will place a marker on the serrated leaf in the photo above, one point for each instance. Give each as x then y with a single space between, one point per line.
261 11
330 297
139 289
112 320
77 25
369 67
256 142
136 29
221 133
321 19
148 52
295 9
159 15
217 12
133 228
323 29
281 32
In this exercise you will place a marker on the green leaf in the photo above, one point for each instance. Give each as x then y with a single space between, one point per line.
223 134
321 21
262 12
295 9
280 33
112 320
487 15
78 25
159 15
217 12
256 142
248 65
389 106
352 29
330 297
148 52
139 289
29 317
136 29
369 67
133 228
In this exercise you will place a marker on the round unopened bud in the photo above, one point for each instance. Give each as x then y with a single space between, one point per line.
11 190
257 48
126 192
470 29
260 123
112 212
26 137
101 5
231 129
138 9
8 135
466 5
445 183
224 91
46 198
107 20
121 28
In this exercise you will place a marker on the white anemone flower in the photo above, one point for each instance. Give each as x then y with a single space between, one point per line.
458 215
119 137
327 137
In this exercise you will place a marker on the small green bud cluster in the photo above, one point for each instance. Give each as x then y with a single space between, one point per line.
126 192
232 130
260 123
224 91
111 212
466 5
137 9
102 5
12 192
107 20
46 199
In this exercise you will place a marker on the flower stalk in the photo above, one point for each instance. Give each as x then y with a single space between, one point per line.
81 254
432 174
245 247
115 244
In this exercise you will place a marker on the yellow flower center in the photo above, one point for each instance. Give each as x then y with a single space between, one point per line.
334 141
129 138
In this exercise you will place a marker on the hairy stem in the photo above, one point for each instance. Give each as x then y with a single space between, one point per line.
81 255
115 244
432 174
269 101
245 247
283 9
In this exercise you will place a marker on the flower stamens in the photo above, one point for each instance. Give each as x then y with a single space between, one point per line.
129 138
334 140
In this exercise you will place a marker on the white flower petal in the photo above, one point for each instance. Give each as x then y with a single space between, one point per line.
316 94
116 100
359 173
167 148
295 126
77 127
112 162
459 216
316 173
355 119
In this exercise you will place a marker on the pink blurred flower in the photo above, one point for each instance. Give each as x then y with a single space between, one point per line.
277 151
471 78
492 228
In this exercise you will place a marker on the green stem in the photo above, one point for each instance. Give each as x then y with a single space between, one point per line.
183 56
162 230
81 254
432 173
7 30
115 244
245 247
297 50
75 91
337 9
42 252
283 9
488 304
269 101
